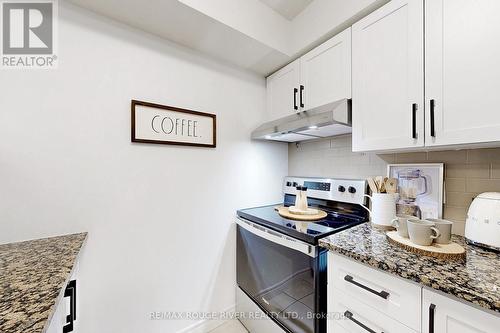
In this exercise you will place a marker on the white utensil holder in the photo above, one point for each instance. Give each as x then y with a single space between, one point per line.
383 208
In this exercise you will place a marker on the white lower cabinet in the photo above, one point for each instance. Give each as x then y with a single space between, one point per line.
358 317
444 315
362 299
67 305
392 296
59 317
370 301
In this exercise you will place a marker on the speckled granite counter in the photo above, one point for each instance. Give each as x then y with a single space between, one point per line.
33 275
476 280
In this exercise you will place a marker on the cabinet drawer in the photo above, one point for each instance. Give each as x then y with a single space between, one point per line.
390 295
359 317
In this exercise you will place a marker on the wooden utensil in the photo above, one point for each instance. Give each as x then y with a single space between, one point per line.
379 180
372 185
382 185
391 185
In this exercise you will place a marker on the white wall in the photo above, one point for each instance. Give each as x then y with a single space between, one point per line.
159 218
468 172
333 157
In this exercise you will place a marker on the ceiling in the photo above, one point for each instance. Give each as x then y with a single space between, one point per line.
258 35
172 20
289 9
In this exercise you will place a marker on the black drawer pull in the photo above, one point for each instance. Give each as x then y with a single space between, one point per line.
432 307
383 294
350 316
414 108
301 91
70 292
295 91
433 125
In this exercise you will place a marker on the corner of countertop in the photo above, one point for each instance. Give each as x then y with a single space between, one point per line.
46 262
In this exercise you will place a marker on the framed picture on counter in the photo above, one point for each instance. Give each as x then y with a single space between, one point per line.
168 125
420 188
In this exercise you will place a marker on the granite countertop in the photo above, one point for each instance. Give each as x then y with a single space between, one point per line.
33 275
475 279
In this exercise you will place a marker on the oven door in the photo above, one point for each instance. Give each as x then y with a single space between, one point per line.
284 276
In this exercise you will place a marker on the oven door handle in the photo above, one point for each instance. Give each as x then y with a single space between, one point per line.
276 237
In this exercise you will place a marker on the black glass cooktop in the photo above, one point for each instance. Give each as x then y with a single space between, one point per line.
340 217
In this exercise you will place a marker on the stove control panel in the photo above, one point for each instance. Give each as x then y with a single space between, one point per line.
344 190
318 186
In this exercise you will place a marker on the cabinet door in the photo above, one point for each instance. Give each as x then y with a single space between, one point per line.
282 91
354 316
402 300
462 72
59 317
445 315
325 72
388 78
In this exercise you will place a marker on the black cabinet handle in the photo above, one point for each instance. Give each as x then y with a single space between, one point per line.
433 128
414 121
295 91
350 316
383 294
301 91
432 307
70 292
72 284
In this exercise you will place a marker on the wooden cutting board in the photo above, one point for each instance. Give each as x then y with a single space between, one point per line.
284 212
440 251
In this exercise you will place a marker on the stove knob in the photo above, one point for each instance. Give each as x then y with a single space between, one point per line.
288 184
351 189
341 189
295 184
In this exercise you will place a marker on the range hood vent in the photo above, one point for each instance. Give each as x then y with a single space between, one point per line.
328 120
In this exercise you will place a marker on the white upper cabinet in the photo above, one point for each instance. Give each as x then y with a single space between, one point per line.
461 75
325 72
320 77
283 91
388 78
462 71
444 315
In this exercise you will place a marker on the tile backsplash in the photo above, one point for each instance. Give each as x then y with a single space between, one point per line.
467 172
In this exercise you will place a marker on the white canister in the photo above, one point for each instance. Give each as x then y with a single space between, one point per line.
383 208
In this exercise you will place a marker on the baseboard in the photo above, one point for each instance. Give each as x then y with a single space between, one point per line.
205 326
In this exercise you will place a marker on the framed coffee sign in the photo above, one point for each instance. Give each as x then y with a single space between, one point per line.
168 125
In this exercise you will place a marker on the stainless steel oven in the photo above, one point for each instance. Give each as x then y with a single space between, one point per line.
285 277
281 270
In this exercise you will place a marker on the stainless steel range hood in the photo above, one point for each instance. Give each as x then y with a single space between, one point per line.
324 121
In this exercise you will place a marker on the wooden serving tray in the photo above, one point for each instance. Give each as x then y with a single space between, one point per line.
383 227
440 251
284 212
